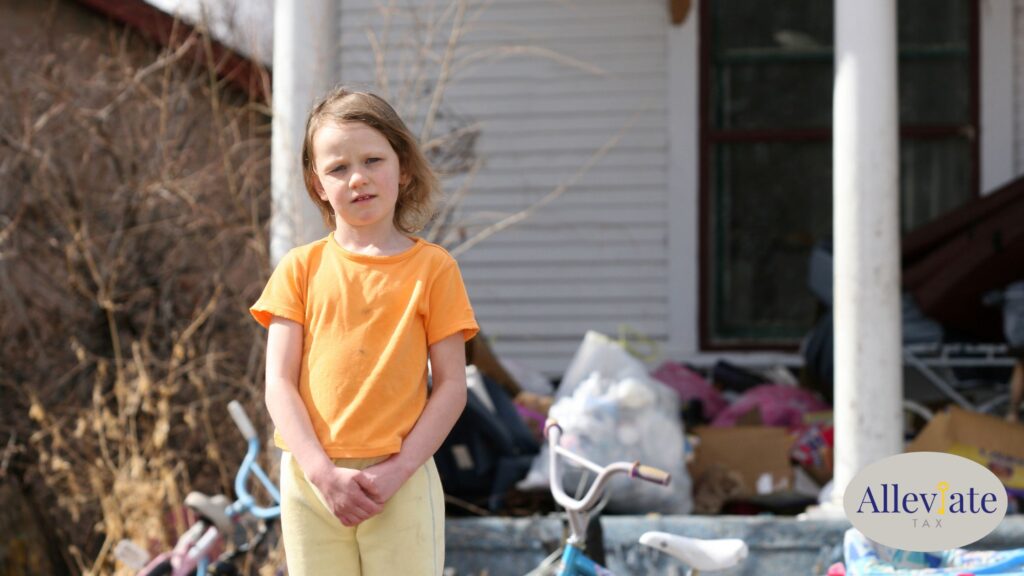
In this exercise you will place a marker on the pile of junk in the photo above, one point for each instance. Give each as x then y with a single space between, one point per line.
739 440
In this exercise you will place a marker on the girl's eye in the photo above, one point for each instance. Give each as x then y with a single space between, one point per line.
372 160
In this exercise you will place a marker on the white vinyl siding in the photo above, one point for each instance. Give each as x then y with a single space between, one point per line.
597 257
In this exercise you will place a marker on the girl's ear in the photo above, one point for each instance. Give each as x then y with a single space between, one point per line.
404 179
319 187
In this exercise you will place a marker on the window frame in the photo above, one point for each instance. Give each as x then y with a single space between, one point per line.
709 137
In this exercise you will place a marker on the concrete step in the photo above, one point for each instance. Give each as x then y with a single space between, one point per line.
778 545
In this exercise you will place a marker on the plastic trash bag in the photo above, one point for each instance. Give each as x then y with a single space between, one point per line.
599 353
610 410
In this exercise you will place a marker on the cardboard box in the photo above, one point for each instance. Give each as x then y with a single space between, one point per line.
992 442
752 451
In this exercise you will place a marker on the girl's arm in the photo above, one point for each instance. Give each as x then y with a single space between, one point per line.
284 355
445 405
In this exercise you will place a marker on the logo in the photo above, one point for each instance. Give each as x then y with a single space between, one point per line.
925 501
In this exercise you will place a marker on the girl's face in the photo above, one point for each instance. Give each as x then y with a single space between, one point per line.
359 175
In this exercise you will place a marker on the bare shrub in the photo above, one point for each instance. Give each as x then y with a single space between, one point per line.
132 240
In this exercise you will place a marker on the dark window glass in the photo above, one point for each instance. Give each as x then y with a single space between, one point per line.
775 199
768 149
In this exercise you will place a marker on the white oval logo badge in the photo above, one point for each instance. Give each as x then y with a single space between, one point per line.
925 501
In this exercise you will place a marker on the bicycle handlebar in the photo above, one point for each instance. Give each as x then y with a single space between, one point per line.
635 470
650 474
241 420
245 501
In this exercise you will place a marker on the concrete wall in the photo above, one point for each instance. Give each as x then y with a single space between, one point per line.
778 545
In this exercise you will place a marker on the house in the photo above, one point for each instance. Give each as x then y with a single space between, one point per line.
694 229
696 151
674 159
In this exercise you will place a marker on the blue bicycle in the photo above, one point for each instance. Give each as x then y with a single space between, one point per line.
194 553
696 554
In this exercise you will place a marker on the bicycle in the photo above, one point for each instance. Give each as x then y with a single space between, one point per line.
697 554
218 521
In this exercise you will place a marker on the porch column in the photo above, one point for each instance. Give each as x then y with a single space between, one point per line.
305 53
868 332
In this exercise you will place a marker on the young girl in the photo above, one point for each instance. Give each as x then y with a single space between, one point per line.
352 319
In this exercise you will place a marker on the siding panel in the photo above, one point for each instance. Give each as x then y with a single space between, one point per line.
549 82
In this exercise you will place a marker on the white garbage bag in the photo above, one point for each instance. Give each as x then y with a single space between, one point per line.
610 409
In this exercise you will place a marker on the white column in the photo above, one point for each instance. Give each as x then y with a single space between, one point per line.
683 186
305 52
997 93
868 357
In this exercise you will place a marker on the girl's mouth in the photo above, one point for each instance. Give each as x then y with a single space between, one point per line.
363 198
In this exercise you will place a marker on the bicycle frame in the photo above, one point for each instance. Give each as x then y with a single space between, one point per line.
574 560
576 563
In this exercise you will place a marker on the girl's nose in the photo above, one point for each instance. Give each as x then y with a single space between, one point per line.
356 180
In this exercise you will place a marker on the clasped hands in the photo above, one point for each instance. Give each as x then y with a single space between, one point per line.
354 496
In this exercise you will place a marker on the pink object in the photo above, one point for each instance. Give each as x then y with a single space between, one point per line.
837 569
691 386
778 404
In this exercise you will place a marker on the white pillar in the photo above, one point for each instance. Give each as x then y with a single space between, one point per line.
997 40
305 52
868 339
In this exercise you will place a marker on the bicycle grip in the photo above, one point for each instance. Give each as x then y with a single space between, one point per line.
241 420
651 474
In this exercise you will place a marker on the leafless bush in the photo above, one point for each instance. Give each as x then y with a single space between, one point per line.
132 241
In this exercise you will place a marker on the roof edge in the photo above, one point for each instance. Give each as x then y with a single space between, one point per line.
158 26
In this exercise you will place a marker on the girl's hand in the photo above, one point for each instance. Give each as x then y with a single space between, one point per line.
345 497
381 481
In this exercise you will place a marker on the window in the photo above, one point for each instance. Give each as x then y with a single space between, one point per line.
766 153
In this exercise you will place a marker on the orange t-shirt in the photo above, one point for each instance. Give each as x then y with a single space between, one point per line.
368 323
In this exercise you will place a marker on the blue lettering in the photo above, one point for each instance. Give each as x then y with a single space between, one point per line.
868 496
928 503
988 497
908 500
957 506
889 496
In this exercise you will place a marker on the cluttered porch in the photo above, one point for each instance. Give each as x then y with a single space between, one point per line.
750 448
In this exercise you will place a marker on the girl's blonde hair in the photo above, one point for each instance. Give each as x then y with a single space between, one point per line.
416 198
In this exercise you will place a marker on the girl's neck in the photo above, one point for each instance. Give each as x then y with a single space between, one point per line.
372 242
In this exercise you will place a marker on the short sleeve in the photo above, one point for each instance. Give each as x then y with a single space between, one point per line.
448 308
284 294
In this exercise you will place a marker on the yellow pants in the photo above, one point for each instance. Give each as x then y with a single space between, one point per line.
406 538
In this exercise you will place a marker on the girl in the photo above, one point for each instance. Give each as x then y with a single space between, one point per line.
352 319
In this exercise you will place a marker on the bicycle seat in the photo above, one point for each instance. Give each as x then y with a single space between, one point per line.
698 554
213 508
